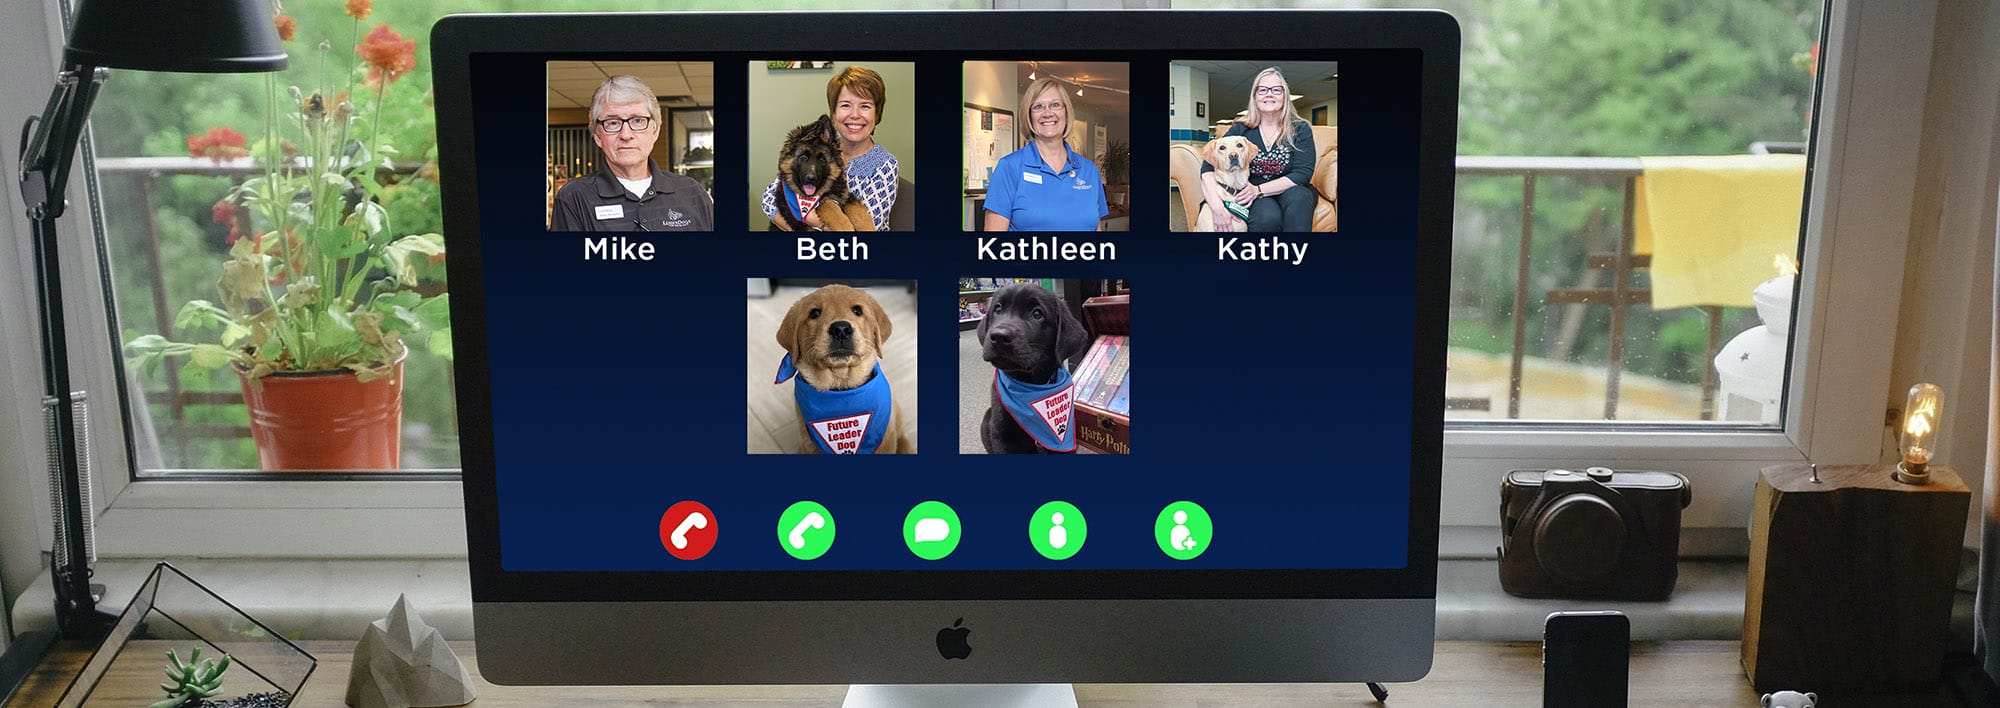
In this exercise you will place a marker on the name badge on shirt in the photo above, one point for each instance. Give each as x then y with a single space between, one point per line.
611 211
1031 177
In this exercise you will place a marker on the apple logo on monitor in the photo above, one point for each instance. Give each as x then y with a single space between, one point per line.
952 642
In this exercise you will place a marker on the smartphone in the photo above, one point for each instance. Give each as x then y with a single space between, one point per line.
1585 659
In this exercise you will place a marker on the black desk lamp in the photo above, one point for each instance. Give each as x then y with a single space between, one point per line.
147 35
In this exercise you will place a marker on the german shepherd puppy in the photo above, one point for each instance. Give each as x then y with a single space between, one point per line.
812 176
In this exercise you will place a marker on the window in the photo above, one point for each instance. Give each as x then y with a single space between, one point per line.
1860 165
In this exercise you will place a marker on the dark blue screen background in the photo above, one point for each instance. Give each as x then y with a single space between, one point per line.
1276 396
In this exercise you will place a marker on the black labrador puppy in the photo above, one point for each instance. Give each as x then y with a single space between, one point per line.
1027 334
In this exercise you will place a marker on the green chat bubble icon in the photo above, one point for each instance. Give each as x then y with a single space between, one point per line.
931 530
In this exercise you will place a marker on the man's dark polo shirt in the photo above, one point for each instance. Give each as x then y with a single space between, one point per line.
600 203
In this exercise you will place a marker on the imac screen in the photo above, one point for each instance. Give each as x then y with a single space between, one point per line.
861 321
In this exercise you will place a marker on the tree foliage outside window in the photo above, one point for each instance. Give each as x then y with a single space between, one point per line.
1602 78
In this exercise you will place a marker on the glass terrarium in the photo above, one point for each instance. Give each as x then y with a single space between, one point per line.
173 613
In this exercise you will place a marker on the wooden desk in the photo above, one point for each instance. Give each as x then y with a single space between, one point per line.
1689 673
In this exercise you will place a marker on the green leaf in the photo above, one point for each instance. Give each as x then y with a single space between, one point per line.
409 257
334 334
440 343
435 313
370 216
210 356
149 350
234 334
201 315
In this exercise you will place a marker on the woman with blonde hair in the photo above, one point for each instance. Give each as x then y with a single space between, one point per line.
1280 196
856 99
1045 185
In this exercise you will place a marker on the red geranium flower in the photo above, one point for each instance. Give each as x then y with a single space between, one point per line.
388 55
286 27
358 9
224 212
218 144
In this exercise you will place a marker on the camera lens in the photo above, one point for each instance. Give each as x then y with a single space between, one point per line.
1580 539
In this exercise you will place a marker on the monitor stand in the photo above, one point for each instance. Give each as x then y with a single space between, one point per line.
1027 695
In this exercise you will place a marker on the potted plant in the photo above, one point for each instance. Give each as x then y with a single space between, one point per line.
1117 167
319 299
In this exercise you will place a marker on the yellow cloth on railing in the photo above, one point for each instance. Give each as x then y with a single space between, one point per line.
1713 223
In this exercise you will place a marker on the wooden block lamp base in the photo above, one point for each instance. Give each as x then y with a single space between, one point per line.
1851 578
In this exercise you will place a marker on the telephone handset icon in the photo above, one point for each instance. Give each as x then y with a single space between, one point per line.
688 530
797 537
693 521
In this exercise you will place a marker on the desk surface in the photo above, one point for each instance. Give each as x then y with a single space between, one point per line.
1680 673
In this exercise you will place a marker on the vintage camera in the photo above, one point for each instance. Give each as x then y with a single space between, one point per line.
1590 534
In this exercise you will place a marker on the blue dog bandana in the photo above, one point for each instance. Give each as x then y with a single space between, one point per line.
797 203
1046 411
847 422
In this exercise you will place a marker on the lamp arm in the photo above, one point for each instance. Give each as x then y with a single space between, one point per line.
49 140
47 152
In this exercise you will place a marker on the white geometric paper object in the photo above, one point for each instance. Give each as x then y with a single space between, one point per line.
403 663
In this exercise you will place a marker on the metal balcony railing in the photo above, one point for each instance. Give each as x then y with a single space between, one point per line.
1621 260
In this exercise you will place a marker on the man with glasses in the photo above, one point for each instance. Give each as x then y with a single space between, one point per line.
631 193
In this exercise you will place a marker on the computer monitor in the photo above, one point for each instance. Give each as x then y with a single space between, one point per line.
1266 511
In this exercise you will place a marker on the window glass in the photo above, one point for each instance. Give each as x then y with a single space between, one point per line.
189 208
1564 104
1582 291
1641 274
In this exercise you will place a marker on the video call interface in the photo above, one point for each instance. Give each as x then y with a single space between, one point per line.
876 311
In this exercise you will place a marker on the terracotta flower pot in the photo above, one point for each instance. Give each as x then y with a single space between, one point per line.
327 420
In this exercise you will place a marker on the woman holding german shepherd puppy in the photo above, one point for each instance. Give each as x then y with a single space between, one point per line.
855 99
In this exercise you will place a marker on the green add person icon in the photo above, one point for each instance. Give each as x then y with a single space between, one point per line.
805 530
1057 530
1183 530
931 530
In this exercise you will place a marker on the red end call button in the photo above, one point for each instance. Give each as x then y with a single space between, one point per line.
688 530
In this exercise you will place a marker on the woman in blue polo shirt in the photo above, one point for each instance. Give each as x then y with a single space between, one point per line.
1045 186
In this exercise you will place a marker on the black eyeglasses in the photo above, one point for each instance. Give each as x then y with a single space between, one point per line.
1270 90
613 125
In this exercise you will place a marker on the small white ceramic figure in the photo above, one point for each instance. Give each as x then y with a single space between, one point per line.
1790 699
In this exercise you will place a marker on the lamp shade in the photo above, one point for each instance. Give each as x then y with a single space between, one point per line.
219 36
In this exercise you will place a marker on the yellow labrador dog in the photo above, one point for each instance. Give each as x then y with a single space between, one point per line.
1231 158
833 349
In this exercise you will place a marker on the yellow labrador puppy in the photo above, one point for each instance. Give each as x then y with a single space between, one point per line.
1231 158
833 349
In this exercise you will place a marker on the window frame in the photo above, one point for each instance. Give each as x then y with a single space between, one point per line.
1857 223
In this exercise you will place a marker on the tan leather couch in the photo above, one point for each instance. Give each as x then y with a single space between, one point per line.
1184 166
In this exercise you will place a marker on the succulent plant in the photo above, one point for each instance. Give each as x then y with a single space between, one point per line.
193 680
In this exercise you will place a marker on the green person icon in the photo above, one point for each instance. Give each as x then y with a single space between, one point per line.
1057 530
1183 530
805 530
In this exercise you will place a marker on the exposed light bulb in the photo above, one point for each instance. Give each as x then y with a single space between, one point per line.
1921 415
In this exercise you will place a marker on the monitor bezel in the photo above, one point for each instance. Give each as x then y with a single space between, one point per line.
983 35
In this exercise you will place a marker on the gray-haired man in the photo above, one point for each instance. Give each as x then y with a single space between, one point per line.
631 193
